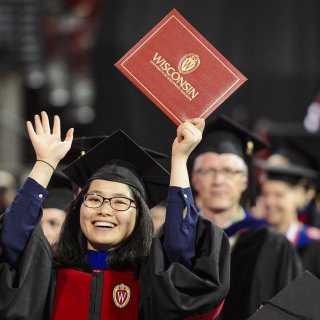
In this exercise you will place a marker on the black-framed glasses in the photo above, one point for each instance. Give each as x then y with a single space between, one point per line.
93 200
225 172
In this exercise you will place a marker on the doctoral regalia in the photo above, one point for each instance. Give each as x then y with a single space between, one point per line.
167 292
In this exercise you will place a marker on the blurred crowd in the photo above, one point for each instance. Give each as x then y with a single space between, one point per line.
266 200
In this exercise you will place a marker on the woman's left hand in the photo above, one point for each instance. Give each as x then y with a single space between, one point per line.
189 134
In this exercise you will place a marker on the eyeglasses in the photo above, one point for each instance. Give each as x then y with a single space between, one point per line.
225 172
92 200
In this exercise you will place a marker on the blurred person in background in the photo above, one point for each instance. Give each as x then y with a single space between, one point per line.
158 214
282 193
291 145
8 189
262 259
56 205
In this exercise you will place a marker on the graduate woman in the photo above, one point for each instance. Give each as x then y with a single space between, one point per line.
107 264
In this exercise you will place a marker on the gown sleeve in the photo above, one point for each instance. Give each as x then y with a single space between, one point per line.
20 219
172 290
25 259
180 234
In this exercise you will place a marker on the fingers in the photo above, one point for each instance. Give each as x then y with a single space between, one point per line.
56 126
30 129
187 132
45 122
69 135
38 124
193 125
199 123
42 127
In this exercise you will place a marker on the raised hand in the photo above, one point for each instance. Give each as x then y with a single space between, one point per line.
189 134
48 146
47 143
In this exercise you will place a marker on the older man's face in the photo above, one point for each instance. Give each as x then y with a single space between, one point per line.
219 180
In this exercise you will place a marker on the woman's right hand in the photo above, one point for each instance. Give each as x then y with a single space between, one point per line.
47 143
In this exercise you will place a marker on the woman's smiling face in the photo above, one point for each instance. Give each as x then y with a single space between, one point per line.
105 227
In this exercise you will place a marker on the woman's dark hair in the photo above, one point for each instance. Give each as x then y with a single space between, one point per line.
130 254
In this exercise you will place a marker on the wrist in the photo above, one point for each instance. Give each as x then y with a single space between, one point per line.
48 164
179 159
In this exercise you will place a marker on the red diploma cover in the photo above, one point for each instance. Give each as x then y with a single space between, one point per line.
179 70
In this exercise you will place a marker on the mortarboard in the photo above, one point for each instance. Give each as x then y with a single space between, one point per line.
297 145
288 155
298 300
84 144
224 135
303 145
118 158
61 192
290 173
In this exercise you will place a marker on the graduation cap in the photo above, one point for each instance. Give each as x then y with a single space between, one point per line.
289 173
302 147
118 158
298 300
84 144
297 145
224 135
61 192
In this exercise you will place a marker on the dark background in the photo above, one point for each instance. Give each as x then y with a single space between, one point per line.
274 43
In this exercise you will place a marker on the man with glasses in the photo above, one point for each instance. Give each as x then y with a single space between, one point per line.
262 260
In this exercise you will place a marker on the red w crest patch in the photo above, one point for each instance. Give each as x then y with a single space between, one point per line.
121 295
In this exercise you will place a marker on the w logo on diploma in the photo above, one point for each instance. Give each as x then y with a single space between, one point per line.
165 66
189 63
121 295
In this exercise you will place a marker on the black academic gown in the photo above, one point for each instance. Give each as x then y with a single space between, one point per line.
297 301
310 257
263 262
167 292
307 243
26 292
